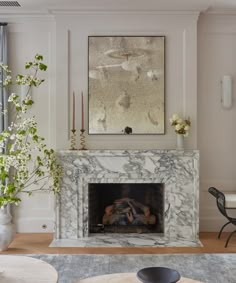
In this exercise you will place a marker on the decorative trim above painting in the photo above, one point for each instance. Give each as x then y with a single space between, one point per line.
126 84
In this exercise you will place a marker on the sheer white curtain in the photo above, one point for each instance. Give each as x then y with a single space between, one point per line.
3 91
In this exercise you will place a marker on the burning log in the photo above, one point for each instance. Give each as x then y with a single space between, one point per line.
126 211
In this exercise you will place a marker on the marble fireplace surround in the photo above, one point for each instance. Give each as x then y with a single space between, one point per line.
178 170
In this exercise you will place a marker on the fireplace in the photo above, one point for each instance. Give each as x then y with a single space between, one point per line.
96 178
126 208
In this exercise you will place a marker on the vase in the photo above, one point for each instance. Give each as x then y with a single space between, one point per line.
180 141
7 229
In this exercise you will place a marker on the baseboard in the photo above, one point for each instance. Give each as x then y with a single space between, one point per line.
210 224
46 225
34 225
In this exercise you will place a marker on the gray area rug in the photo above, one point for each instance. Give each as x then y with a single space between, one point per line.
213 268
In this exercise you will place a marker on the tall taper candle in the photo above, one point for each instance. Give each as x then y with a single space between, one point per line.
73 112
82 111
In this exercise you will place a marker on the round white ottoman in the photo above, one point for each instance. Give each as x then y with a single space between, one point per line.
23 269
124 277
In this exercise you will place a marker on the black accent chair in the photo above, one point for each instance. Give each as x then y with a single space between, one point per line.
221 204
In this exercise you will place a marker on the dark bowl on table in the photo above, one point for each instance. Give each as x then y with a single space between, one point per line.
158 275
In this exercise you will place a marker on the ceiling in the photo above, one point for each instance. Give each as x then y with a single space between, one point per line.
121 5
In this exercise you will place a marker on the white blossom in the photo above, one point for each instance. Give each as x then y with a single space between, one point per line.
181 126
178 127
175 117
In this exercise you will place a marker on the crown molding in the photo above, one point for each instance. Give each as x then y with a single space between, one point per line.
10 16
127 12
23 12
211 11
33 13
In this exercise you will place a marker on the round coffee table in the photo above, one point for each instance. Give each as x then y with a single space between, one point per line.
23 269
124 277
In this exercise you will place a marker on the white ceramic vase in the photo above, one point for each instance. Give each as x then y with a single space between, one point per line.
7 229
180 141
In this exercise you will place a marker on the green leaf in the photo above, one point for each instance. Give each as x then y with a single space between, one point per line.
3 174
42 67
9 146
4 200
11 188
32 130
18 108
28 65
38 57
28 102
22 132
35 138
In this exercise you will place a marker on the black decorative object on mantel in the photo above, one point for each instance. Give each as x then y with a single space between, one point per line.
158 275
127 130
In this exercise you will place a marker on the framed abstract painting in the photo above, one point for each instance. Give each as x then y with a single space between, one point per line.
126 84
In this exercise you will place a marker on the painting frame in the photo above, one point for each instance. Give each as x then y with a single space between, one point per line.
151 72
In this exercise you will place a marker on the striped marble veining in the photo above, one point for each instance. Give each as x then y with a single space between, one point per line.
178 170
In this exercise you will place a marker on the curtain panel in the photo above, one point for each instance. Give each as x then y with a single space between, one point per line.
3 91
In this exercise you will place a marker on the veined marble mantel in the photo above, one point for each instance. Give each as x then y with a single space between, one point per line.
177 170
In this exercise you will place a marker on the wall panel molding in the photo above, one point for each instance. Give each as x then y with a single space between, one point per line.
180 31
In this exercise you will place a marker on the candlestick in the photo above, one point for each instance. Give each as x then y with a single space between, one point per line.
73 112
73 140
82 140
82 111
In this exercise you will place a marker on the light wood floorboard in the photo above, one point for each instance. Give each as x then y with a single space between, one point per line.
37 243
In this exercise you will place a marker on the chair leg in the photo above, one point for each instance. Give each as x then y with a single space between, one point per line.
223 228
229 238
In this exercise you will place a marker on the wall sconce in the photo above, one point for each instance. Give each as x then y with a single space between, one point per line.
227 92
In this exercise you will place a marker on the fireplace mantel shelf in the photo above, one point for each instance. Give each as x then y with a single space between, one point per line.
178 170
118 152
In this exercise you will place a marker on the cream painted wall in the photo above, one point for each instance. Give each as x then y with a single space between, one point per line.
63 41
216 126
65 49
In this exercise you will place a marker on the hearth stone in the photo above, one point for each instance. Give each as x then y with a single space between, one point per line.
129 240
177 170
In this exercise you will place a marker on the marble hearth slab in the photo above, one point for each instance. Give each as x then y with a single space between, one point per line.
130 240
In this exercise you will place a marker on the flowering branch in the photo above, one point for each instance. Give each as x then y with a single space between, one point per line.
25 158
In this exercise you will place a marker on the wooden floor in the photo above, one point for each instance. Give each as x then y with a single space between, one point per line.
38 244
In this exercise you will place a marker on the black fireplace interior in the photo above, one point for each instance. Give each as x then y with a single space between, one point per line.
126 208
